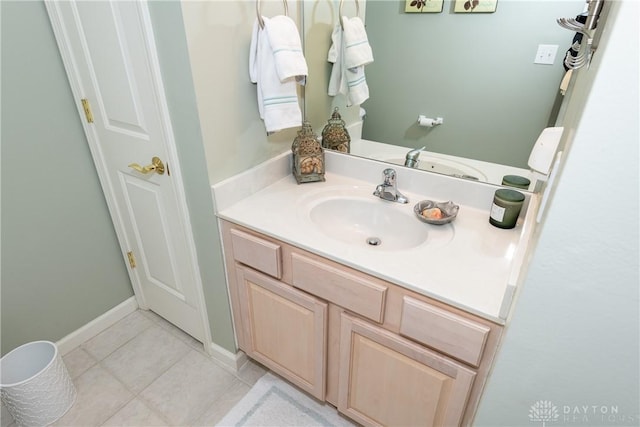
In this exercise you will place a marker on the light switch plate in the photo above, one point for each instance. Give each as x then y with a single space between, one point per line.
546 54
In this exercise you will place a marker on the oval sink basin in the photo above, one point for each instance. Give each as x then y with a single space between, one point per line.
376 223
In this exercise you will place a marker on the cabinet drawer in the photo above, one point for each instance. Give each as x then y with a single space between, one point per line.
257 253
347 290
454 335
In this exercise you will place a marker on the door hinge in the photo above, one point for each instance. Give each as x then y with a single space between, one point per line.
87 110
132 259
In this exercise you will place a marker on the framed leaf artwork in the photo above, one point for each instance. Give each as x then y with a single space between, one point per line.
475 6
423 6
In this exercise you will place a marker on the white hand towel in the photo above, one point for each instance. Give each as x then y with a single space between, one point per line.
357 50
337 82
357 84
277 99
287 48
350 82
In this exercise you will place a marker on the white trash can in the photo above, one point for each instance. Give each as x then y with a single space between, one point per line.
35 385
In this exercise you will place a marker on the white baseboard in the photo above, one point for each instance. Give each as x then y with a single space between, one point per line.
231 360
97 325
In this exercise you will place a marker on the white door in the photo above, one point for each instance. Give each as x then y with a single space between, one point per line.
110 57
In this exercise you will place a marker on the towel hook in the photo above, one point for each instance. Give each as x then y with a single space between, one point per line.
586 46
259 14
340 11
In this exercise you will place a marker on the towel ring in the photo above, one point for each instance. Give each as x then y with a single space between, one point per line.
340 11
259 14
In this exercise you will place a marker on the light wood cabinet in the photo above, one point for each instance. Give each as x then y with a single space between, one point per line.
337 285
386 380
285 329
449 333
382 354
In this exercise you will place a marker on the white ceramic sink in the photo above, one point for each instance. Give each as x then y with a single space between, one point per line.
380 224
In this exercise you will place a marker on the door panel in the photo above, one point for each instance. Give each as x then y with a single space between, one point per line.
111 47
145 209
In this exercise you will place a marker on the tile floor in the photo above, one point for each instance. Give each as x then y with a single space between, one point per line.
143 371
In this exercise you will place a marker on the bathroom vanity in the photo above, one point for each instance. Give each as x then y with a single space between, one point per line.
403 335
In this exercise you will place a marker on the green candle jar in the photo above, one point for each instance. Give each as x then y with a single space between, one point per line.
506 208
516 181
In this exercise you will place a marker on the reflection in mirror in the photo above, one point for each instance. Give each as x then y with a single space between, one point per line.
475 70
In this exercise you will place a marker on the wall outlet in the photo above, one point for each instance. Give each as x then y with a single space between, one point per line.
546 54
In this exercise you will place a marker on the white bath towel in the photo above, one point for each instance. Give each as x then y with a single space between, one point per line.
357 84
287 48
357 50
350 82
277 98
337 84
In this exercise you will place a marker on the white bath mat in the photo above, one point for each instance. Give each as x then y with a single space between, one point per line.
273 402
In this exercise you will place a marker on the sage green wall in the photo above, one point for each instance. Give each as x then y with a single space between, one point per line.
176 74
219 36
58 242
61 263
474 70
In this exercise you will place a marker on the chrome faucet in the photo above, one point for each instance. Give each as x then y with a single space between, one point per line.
411 159
388 189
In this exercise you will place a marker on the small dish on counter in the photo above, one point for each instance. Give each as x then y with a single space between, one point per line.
436 212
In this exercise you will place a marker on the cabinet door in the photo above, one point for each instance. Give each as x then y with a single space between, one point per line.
285 329
390 381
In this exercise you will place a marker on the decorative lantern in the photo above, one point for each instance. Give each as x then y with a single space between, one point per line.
308 156
334 135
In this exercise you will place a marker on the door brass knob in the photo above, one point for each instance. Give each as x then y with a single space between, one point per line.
155 166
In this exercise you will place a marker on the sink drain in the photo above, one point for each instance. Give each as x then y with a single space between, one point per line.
374 241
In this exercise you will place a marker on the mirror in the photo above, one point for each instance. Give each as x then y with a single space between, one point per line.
475 70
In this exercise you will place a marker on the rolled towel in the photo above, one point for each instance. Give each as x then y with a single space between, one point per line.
357 50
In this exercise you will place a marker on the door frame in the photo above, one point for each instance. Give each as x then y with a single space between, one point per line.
169 142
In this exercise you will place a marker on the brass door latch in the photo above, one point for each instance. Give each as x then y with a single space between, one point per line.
155 166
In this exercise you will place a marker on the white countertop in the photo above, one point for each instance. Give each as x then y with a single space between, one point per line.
478 270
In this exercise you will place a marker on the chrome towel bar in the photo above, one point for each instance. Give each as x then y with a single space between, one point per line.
340 11
259 13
